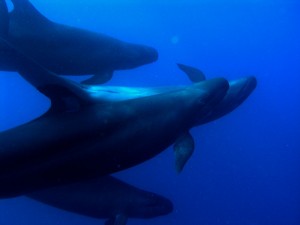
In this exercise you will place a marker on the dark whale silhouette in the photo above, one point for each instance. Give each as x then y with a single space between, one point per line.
105 198
238 92
84 135
64 49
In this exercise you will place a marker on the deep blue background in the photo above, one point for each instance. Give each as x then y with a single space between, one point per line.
246 166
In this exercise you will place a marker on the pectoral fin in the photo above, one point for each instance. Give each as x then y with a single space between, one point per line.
119 219
183 149
99 78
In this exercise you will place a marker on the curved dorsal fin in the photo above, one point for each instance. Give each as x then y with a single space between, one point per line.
194 74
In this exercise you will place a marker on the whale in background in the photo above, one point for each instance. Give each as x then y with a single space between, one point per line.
65 49
105 198
83 136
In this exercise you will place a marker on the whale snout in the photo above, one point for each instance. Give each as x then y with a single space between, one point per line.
162 206
135 55
158 206
150 205
239 90
250 85
150 54
145 55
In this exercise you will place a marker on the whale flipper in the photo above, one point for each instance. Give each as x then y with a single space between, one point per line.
183 149
99 78
119 219
194 74
4 18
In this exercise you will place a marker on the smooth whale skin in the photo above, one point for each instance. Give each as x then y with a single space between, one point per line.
83 136
239 90
99 139
105 198
64 49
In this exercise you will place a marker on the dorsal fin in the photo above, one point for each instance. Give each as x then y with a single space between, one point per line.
194 74
25 12
4 18
65 95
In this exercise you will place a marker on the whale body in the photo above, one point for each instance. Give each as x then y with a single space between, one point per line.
105 198
83 136
65 49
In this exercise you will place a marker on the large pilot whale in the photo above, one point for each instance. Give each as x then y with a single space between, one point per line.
105 198
239 90
64 49
84 135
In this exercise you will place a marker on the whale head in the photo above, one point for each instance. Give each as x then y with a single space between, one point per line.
150 205
212 92
239 90
129 55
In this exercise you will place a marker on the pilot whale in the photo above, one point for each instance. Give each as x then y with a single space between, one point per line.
64 49
105 198
83 136
239 90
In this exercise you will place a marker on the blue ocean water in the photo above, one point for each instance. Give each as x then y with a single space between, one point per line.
246 167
